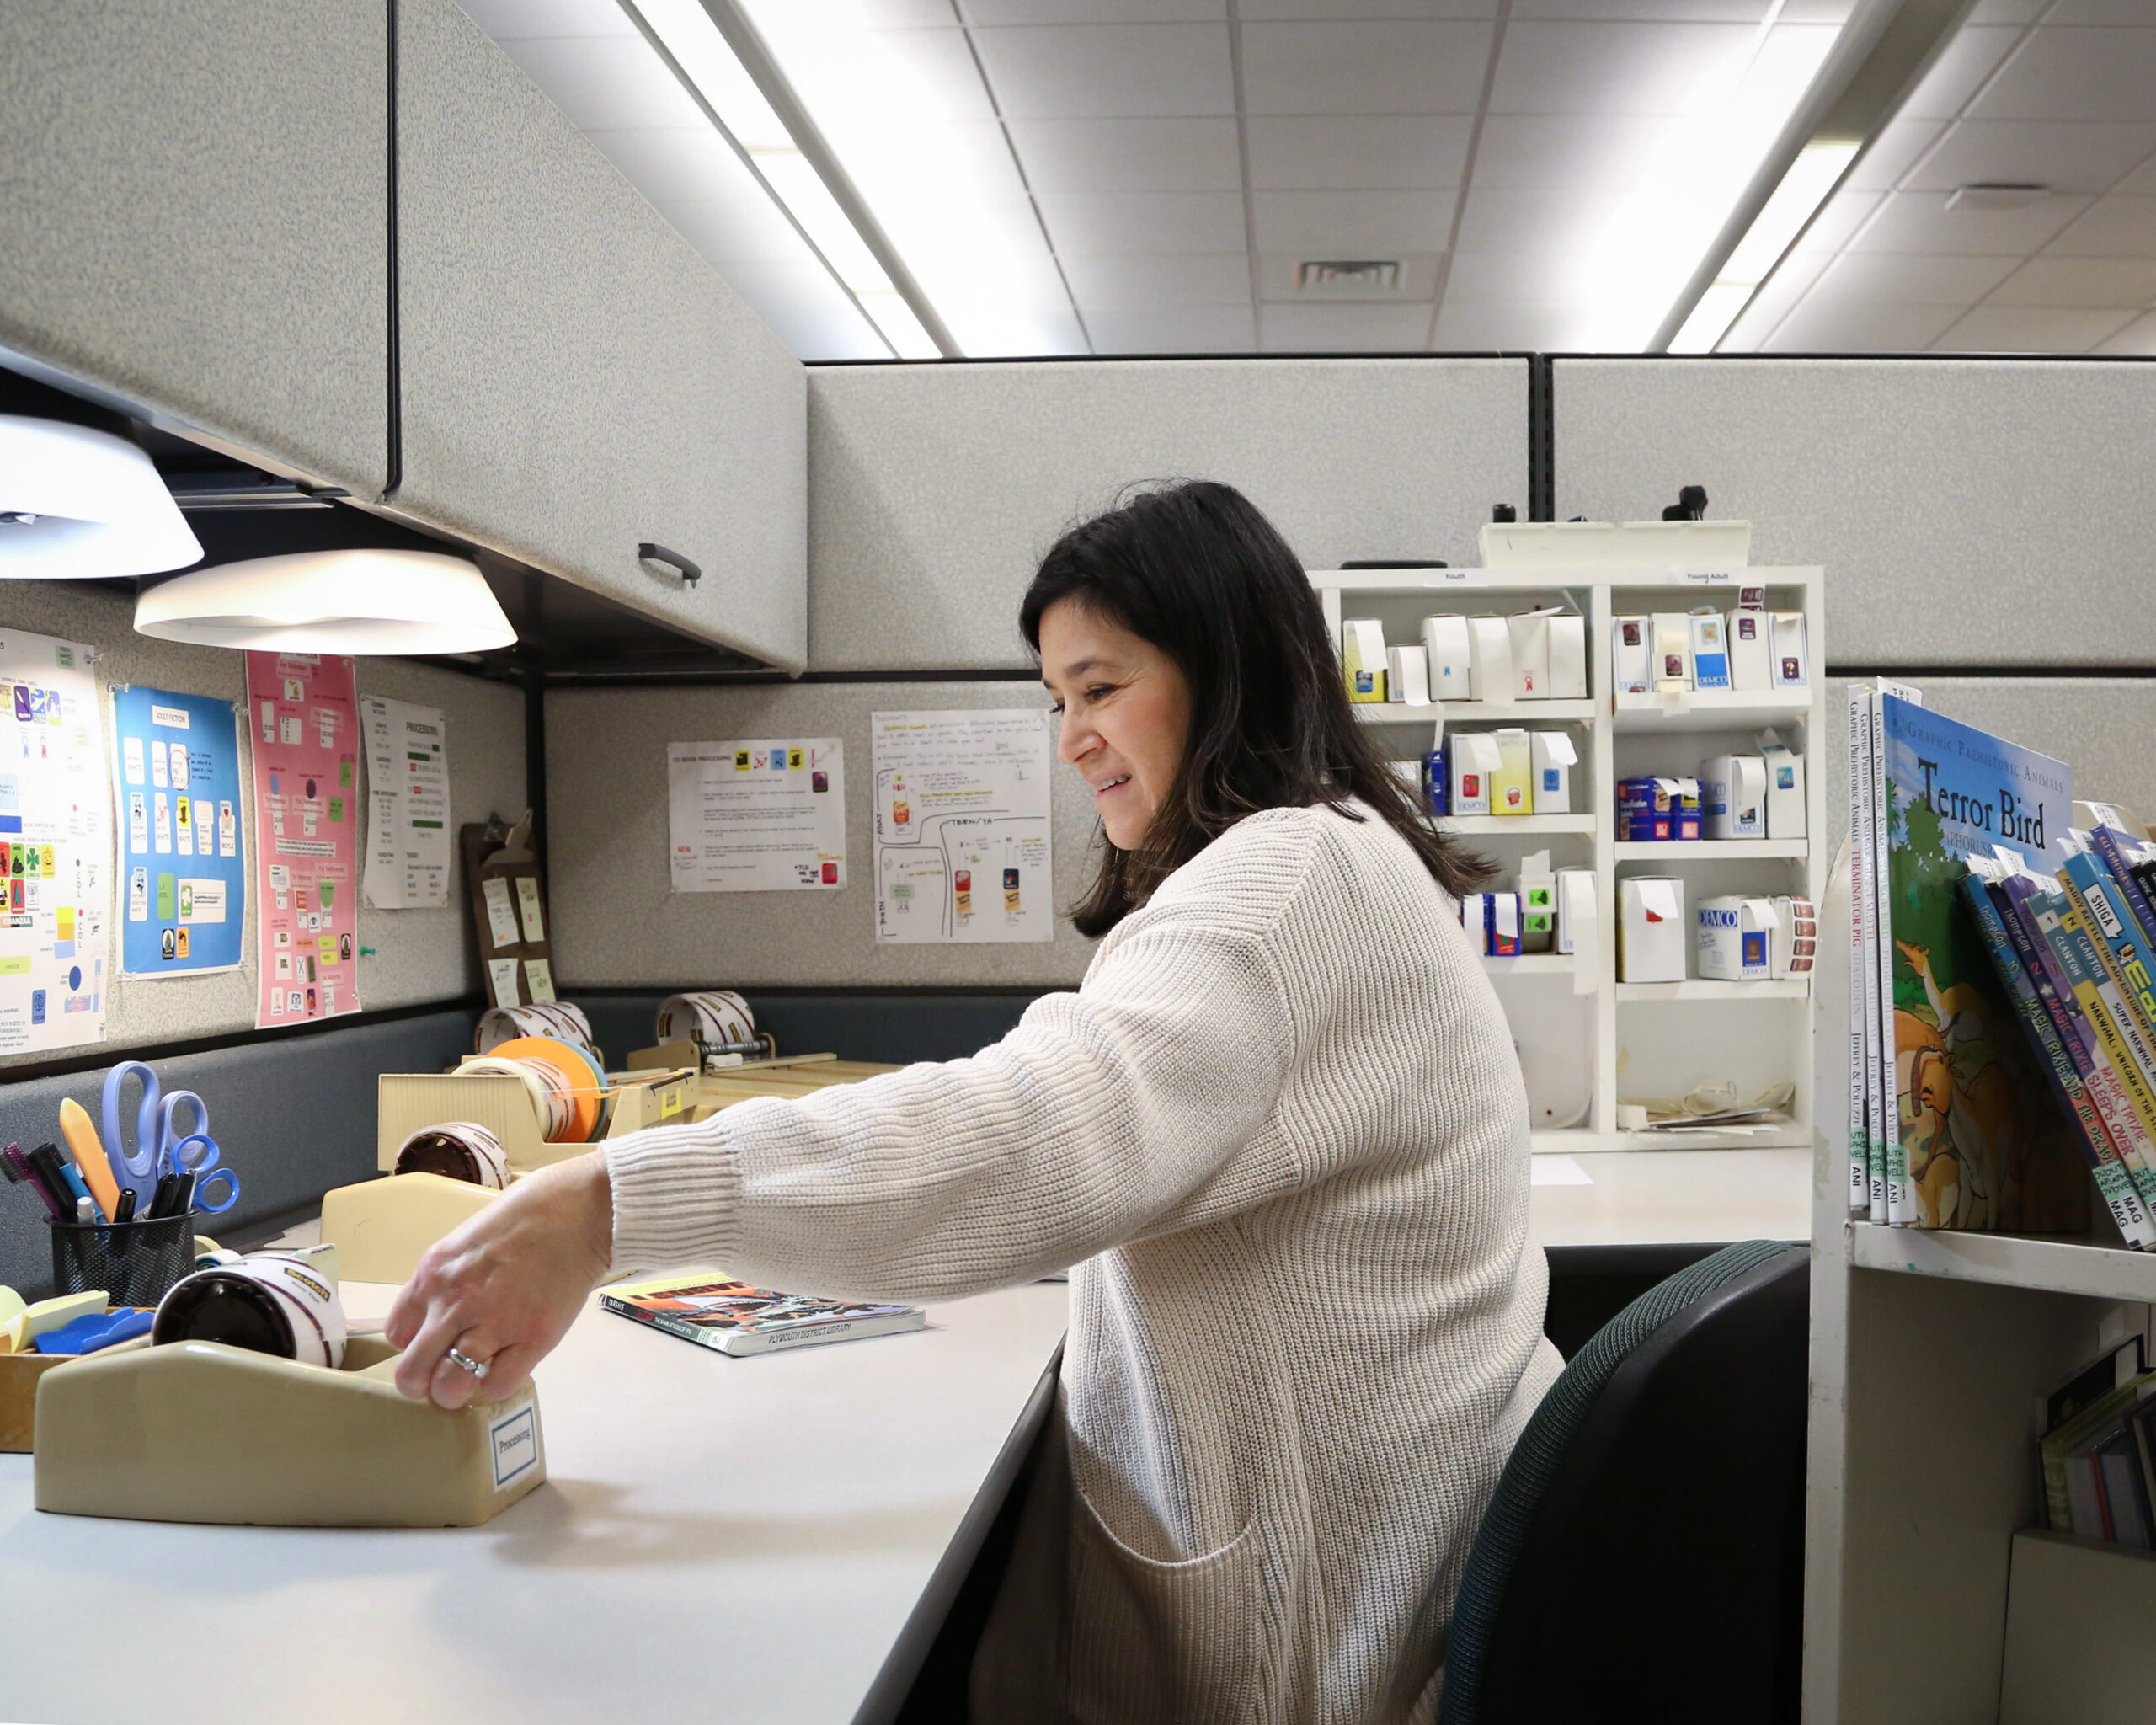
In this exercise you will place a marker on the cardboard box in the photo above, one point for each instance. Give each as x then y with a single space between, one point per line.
1450 664
1650 929
1794 942
1751 658
1406 675
1475 918
1551 758
1475 762
1792 661
1512 787
1361 658
1490 655
1530 638
1732 936
1670 652
1784 791
1437 782
1658 810
1733 797
1710 651
1503 924
1630 640
1568 657
1579 926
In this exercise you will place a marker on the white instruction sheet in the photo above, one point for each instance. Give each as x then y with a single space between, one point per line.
56 845
766 815
408 805
962 825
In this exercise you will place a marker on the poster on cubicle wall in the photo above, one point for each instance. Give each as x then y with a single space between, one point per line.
962 825
56 846
305 730
176 796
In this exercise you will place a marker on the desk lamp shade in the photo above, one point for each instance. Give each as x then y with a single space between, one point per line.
330 602
80 504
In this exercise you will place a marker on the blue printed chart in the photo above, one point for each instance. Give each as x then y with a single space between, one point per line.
176 799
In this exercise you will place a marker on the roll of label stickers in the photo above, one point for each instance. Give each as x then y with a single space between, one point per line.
266 1302
715 1015
558 1019
458 1150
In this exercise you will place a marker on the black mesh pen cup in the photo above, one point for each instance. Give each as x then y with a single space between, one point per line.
136 1263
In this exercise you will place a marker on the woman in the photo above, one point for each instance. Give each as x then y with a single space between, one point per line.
1279 1130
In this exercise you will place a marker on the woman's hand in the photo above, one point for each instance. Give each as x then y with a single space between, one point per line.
503 1288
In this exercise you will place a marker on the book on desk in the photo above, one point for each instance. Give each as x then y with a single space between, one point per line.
736 1318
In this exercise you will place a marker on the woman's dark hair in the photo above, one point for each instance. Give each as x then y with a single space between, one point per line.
1195 569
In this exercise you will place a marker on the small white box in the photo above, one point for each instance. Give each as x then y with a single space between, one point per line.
1451 665
1361 658
1733 797
1568 657
1795 938
1475 762
1670 651
1650 929
1792 661
1784 791
1710 651
1751 651
1631 639
1406 675
1735 939
1552 756
1578 926
1538 904
1530 636
1512 787
1489 655
1475 918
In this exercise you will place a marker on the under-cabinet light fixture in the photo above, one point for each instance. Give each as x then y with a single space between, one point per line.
358 602
77 504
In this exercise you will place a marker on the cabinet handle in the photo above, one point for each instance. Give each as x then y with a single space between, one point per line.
649 553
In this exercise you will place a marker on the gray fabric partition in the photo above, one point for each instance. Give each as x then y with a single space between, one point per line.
897 1025
294 1115
934 489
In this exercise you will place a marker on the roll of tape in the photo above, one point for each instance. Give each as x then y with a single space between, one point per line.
544 1082
460 1150
715 1016
562 1020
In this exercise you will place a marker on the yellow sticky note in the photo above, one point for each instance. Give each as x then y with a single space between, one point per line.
66 916
326 947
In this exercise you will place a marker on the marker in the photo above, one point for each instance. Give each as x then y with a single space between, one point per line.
52 1180
123 1212
86 1213
87 1150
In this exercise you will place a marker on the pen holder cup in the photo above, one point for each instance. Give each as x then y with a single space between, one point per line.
136 1263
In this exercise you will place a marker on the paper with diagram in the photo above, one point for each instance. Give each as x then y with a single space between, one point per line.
962 825
176 786
408 805
56 845
754 816
305 726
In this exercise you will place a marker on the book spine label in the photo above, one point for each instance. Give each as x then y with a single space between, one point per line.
1902 1210
2107 838
2104 968
2136 1147
2111 1180
2084 974
2096 897
1863 1158
690 1332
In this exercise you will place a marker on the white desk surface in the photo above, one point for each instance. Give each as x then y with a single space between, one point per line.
1671 1196
718 1538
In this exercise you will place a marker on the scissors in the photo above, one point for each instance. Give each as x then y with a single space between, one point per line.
160 1149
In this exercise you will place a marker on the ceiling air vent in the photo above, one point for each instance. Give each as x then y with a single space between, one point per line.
1348 277
1996 194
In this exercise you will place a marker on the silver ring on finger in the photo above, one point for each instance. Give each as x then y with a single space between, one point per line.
465 1362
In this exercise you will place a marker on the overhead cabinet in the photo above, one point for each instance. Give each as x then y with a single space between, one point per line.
577 381
194 217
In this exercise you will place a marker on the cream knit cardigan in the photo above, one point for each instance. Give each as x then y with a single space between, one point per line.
1280 1132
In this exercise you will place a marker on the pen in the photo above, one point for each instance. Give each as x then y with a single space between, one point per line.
123 1212
183 1196
161 1199
85 1212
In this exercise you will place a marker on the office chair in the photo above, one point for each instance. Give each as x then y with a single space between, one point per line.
1643 1558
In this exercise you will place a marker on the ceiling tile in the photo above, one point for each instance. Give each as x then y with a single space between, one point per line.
1824 326
2090 74
807 309
1200 279
979 13
1504 279
1173 330
2113 227
2079 281
1920 222
2067 156
1961 69
2008 11
1394 67
510 20
1898 147
1548 221
1386 153
940 79
1084 72
1835 224
1743 12
1754 326
1537 151
2031 329
1256 11
607 81
1129 155
1908 279
1611 68
2138 337
2070 12
1289 329
852 15
2142 181
1516 328
1351 224
1106 223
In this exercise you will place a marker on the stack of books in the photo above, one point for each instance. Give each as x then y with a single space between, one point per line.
2097 1453
1967 1108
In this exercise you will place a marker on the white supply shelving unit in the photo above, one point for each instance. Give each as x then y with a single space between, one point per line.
1579 1048
1929 1597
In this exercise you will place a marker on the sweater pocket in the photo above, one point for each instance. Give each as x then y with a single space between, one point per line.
1162 1641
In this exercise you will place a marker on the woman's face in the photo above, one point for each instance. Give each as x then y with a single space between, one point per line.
1126 712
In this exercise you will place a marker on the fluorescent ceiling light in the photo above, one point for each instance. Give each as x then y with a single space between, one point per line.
715 73
1816 172
1643 256
330 602
79 505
